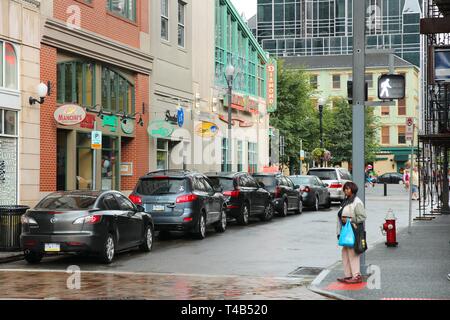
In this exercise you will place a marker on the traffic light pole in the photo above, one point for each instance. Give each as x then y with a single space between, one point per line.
358 133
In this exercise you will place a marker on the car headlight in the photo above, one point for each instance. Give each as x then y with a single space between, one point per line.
28 220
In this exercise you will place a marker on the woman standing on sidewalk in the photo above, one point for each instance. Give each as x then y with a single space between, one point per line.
352 208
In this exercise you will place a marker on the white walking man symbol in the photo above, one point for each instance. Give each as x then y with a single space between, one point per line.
385 85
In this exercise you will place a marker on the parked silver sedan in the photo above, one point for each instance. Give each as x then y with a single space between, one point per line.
334 178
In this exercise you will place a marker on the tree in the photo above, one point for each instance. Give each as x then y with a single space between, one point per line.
295 116
338 132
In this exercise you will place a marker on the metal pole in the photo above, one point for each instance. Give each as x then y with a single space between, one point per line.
301 161
410 182
94 163
321 126
230 85
358 132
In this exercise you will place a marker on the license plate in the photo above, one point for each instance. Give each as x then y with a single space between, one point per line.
159 207
52 247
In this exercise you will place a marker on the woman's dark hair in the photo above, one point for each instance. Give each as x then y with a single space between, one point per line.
352 186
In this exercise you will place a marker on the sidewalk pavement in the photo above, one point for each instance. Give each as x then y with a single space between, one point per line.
10 256
416 269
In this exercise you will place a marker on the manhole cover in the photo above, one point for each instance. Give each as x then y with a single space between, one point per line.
305 271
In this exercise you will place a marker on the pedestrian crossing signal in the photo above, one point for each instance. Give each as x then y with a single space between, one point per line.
391 86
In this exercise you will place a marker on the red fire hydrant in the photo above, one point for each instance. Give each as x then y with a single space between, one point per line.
389 229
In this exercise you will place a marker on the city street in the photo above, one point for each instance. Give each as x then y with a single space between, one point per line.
266 251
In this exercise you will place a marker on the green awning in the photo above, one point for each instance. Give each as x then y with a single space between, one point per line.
401 157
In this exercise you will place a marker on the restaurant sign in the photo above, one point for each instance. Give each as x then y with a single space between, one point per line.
69 115
242 103
271 90
160 129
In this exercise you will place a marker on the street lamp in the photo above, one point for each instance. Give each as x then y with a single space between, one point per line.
321 102
229 73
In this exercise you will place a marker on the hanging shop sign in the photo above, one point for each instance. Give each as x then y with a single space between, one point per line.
69 115
206 129
242 103
242 123
180 117
88 122
111 122
126 169
128 126
160 129
271 89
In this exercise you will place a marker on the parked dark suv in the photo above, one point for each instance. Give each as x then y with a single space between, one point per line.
245 197
181 200
285 195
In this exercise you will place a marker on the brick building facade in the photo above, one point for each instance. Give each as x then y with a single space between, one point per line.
96 55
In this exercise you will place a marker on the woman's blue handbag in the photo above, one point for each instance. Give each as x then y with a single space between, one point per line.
347 237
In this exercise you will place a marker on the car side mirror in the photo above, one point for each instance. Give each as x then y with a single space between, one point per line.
140 208
218 189
261 185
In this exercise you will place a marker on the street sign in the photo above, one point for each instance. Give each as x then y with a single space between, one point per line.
302 155
391 86
180 117
409 129
96 140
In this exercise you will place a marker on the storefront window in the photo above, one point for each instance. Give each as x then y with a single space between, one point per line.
240 156
117 92
124 8
252 157
76 83
10 123
162 154
109 163
11 75
1 64
84 161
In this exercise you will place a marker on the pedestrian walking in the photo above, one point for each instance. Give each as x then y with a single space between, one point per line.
352 208
415 184
406 179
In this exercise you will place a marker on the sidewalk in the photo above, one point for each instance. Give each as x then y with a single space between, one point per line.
416 269
10 256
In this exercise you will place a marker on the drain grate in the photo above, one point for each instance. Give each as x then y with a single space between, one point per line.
305 271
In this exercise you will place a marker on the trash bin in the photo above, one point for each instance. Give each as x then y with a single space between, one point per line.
11 227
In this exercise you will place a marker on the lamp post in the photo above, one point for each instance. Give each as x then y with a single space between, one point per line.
230 73
321 103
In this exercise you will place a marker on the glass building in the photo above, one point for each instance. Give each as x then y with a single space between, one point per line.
324 27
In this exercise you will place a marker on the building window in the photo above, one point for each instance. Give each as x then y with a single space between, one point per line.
336 81
385 138
240 156
76 83
402 107
313 81
165 20
9 77
401 134
181 23
162 154
261 80
84 157
385 111
8 122
226 165
117 93
123 8
252 157
110 165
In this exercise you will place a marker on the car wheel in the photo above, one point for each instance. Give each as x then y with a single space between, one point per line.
33 257
108 250
284 211
200 232
221 225
316 204
300 207
268 213
147 245
243 217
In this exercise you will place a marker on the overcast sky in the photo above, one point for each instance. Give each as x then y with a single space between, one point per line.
246 6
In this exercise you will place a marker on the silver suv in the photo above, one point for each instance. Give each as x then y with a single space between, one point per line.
334 178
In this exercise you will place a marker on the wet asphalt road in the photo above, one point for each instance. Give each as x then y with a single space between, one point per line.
262 249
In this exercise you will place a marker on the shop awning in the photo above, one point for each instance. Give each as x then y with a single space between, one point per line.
401 157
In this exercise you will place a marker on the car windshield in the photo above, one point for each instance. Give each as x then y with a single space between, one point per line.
301 180
152 186
225 183
324 174
67 202
267 180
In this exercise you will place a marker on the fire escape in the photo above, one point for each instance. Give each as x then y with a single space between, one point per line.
434 135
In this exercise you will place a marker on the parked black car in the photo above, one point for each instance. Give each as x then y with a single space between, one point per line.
180 200
101 223
285 195
390 178
245 197
314 192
